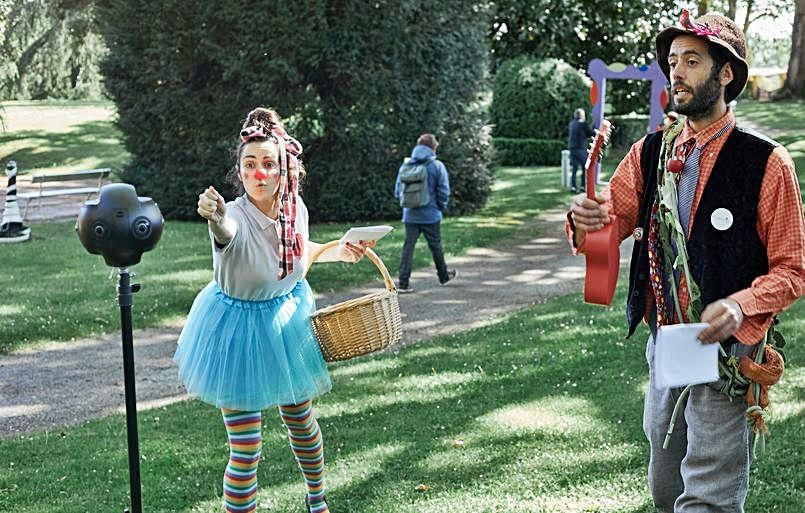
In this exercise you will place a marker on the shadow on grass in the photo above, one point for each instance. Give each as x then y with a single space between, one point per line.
417 400
778 115
92 143
541 412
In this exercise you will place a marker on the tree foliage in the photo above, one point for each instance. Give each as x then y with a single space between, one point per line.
768 52
536 98
49 49
745 12
579 31
356 82
763 49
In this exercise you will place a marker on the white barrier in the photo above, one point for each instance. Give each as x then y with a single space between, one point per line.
566 169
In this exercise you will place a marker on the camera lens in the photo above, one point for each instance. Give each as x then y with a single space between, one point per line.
141 228
99 230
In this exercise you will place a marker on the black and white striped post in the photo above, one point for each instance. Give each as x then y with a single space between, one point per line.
11 227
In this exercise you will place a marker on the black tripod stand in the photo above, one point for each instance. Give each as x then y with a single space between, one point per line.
121 226
125 289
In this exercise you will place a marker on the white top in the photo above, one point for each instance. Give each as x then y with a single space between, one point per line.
248 267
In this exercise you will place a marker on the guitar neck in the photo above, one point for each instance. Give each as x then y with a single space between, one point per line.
590 169
594 155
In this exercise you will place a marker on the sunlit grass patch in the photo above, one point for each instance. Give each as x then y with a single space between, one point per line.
365 366
47 137
540 412
788 403
11 309
550 415
194 276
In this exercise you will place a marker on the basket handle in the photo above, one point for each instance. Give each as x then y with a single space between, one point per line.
369 253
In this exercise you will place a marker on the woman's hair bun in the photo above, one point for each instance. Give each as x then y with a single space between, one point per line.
263 117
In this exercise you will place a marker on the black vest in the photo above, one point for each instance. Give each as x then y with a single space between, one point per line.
722 262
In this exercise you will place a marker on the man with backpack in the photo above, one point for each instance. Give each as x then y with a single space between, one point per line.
423 189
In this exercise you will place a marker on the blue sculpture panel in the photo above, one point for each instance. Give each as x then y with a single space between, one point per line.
600 72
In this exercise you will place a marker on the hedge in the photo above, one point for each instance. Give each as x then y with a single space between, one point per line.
627 129
536 98
528 152
357 83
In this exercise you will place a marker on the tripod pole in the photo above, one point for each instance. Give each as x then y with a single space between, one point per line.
124 293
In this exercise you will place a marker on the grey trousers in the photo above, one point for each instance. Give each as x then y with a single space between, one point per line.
706 466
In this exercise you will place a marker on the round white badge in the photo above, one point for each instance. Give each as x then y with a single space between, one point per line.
721 219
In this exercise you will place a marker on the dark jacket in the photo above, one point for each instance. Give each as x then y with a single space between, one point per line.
579 134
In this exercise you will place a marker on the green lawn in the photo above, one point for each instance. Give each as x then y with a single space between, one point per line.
787 118
60 136
785 115
54 290
538 413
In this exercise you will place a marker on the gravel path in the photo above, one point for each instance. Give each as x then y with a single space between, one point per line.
61 384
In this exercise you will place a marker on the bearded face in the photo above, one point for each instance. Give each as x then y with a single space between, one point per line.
697 101
696 77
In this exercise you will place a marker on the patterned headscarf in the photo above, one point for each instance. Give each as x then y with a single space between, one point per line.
290 243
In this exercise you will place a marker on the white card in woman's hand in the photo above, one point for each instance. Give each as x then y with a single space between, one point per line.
365 233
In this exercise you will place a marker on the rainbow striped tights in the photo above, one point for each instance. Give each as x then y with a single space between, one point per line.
245 443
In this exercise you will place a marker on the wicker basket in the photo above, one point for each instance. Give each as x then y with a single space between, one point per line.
359 326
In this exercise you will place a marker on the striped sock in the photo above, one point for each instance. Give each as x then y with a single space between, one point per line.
306 444
240 478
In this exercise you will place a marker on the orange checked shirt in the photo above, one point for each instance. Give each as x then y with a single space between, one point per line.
780 225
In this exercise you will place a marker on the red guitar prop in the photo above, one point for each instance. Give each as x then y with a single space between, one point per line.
600 247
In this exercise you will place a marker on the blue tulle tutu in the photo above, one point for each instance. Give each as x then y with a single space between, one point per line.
250 355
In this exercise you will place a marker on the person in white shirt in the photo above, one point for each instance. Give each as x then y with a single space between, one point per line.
248 344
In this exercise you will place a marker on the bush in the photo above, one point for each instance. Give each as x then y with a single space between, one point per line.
528 152
536 98
627 129
356 83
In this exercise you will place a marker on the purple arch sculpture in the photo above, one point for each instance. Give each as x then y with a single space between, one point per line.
600 72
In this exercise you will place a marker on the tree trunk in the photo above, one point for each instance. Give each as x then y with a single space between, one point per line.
703 6
731 8
28 55
747 18
795 78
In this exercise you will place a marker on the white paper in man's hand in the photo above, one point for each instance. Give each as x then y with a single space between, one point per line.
680 359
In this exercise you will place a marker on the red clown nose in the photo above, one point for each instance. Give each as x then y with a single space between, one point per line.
260 174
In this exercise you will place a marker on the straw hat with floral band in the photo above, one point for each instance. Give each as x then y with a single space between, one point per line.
720 32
